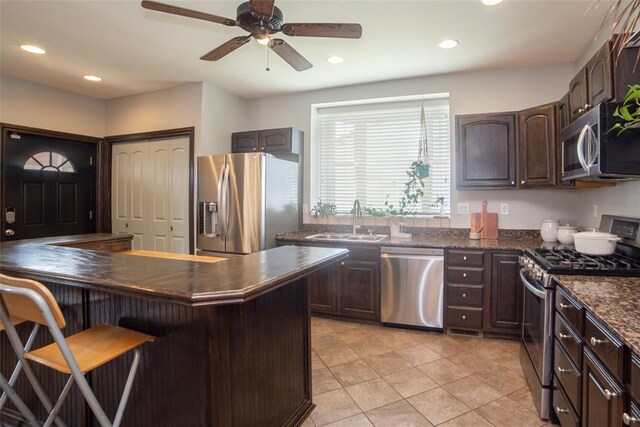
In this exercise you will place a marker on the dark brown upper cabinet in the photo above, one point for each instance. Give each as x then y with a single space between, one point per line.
599 77
563 114
486 151
578 94
274 141
537 147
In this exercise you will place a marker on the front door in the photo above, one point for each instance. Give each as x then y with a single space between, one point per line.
48 186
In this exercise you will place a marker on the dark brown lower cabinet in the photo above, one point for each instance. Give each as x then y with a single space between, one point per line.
359 290
323 290
506 293
603 401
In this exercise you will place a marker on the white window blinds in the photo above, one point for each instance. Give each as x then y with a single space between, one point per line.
365 151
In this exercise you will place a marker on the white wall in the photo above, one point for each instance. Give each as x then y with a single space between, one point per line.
176 107
471 92
622 200
31 104
222 114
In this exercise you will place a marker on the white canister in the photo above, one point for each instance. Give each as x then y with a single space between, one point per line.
549 230
565 234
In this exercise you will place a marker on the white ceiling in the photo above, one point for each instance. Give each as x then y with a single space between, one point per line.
136 50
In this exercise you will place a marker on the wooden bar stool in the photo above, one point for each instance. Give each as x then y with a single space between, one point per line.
8 393
76 355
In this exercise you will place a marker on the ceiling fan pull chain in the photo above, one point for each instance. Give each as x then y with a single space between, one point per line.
268 52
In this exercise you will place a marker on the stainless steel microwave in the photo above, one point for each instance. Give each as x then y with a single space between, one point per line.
590 152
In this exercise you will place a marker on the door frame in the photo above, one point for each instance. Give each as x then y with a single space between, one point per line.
100 179
188 132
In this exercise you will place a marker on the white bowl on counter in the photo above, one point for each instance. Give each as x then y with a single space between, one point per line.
595 242
565 234
549 230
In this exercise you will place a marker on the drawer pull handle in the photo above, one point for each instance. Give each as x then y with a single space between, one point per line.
564 336
464 295
561 411
464 274
565 305
609 394
563 371
464 317
464 258
594 341
628 420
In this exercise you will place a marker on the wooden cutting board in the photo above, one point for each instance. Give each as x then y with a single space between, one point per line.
489 223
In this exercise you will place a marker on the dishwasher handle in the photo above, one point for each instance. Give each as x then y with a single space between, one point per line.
394 250
405 256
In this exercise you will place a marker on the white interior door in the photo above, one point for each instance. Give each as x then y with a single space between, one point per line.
150 193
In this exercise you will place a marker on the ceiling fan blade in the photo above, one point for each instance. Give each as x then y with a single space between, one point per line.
225 48
345 31
175 10
290 55
263 7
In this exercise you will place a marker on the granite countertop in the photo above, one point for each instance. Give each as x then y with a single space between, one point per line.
613 300
235 280
426 241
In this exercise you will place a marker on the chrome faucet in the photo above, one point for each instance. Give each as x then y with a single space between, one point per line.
357 213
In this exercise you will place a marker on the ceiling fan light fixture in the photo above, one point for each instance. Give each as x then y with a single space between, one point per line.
33 49
92 78
264 41
448 44
335 60
491 2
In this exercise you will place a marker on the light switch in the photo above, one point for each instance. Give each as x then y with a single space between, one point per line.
504 208
463 208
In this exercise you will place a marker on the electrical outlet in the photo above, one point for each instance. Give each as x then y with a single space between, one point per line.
595 210
463 208
504 208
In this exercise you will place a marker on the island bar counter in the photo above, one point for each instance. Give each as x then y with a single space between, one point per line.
233 337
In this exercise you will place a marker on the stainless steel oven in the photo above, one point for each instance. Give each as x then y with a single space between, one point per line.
537 338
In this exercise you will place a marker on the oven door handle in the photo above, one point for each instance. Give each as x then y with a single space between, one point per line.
537 292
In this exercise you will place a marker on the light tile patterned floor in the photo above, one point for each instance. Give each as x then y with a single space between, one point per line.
368 375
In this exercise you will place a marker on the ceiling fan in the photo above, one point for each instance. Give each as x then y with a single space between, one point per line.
262 19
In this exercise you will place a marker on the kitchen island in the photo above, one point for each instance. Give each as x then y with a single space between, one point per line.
233 337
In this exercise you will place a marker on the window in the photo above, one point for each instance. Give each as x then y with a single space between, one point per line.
49 161
365 150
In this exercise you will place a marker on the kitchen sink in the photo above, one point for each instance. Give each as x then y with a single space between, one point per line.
338 237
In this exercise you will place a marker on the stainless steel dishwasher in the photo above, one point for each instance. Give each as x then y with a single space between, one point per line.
412 286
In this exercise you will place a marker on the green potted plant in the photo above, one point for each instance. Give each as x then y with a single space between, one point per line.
323 209
628 113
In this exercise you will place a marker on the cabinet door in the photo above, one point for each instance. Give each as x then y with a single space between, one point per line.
599 77
563 118
578 94
323 289
360 290
603 397
275 140
506 293
486 151
244 142
537 144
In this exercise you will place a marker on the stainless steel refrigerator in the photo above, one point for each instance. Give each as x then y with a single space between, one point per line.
244 200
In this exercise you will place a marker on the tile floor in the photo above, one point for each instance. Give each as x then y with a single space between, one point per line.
368 375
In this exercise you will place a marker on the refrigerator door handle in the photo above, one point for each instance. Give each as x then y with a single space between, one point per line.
225 201
221 202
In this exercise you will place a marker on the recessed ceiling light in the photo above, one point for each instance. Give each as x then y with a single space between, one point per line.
33 49
335 60
491 2
93 78
448 44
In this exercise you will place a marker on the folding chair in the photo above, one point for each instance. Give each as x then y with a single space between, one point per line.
8 393
76 355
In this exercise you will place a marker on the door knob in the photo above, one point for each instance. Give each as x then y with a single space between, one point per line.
126 225
171 228
9 233
628 420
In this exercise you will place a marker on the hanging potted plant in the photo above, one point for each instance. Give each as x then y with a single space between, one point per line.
421 166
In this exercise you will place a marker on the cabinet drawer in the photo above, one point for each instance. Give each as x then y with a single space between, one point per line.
571 310
562 408
466 318
466 258
474 276
468 296
608 348
363 254
568 339
634 377
569 377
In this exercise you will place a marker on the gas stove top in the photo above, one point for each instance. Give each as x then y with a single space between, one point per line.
570 261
